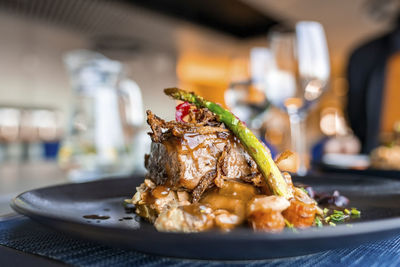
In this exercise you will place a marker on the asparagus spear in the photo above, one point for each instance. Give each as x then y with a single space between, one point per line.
256 150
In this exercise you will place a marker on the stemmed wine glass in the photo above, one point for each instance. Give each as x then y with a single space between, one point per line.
297 76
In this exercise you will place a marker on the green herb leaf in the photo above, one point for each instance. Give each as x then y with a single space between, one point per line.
338 212
338 216
290 226
304 190
355 213
318 222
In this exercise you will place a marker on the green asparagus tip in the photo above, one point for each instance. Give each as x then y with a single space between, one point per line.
173 91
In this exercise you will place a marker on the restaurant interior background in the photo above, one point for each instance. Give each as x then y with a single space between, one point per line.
203 46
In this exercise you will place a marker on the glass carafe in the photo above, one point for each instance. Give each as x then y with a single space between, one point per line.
106 110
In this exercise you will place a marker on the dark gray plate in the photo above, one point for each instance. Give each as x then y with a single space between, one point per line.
368 172
63 207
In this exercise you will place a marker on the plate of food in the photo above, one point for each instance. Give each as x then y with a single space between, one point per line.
383 161
213 191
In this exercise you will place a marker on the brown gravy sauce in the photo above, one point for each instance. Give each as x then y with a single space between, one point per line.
232 197
160 191
96 217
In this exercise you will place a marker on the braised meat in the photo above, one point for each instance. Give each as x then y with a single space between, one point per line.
186 155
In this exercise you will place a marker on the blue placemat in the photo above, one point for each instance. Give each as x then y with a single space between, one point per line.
28 236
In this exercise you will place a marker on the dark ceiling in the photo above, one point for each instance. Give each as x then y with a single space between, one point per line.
105 17
228 16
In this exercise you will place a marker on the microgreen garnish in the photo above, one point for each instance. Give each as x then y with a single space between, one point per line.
355 213
318 222
332 217
290 226
304 190
338 216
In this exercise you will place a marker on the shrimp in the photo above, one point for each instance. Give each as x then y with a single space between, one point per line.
302 210
264 213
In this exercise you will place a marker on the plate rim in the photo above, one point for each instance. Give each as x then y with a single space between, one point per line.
341 230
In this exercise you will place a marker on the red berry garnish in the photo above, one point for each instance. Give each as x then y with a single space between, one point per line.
182 110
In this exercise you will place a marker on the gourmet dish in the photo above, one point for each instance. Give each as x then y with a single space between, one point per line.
207 170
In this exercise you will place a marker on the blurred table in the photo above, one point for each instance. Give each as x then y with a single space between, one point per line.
16 178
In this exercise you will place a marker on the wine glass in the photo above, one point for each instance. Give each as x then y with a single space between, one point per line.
297 76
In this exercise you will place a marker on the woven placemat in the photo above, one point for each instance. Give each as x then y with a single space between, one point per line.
26 235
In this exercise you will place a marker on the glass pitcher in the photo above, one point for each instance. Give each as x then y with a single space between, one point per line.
106 111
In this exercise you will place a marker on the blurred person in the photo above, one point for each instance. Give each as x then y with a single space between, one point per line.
374 88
